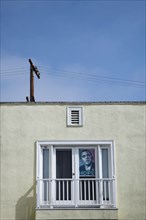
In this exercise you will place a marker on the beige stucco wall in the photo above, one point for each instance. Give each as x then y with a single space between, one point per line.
23 124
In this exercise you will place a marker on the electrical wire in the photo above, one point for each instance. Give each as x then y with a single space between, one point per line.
96 78
97 81
94 75
13 74
16 68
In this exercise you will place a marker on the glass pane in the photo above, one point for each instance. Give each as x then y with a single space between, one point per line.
64 163
87 163
45 163
105 172
46 174
63 171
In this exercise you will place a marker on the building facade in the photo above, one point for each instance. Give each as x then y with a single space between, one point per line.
73 160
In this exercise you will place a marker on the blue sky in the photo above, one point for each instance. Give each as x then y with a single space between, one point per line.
84 50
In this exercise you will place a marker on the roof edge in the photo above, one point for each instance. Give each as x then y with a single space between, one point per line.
75 103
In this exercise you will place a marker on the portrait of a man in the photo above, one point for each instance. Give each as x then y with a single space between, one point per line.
87 164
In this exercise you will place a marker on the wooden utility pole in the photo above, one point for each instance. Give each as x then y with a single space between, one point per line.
32 70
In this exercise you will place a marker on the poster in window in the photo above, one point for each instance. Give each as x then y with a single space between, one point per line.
87 162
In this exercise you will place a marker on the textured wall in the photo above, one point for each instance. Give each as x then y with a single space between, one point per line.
23 124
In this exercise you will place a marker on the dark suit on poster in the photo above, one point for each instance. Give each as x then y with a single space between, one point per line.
87 172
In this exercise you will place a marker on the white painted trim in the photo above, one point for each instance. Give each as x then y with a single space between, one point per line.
109 159
100 174
37 176
68 111
74 142
37 160
114 173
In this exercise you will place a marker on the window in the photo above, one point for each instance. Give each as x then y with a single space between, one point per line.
74 116
75 174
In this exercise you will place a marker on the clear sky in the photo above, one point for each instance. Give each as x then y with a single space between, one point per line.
84 50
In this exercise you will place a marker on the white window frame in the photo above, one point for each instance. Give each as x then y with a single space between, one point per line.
75 146
69 121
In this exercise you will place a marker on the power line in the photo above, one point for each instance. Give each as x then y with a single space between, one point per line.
12 74
98 81
74 72
97 78
92 75
13 69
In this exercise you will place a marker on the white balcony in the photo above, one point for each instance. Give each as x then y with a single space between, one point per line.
76 193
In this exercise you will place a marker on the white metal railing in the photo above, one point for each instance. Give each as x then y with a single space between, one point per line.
76 192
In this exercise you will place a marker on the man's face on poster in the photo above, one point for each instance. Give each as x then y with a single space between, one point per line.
86 157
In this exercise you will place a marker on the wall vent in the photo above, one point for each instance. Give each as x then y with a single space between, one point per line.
74 116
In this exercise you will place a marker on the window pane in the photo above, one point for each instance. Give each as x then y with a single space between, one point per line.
64 163
46 174
87 162
45 163
105 172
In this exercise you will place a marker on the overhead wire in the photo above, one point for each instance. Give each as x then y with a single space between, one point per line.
13 72
68 71
96 81
89 74
97 78
11 69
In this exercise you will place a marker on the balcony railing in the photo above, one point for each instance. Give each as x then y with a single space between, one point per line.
76 193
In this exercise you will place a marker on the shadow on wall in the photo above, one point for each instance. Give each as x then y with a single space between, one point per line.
25 207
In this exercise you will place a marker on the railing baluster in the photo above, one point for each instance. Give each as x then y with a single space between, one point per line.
67 191
59 189
101 191
89 196
109 191
63 188
85 189
47 192
96 187
93 191
38 194
43 190
80 189
105 190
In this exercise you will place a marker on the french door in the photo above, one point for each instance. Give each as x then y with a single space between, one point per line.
64 174
73 183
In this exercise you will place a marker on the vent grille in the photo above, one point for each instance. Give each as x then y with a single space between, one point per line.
75 117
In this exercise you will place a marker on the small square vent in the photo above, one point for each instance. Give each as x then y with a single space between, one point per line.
74 116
